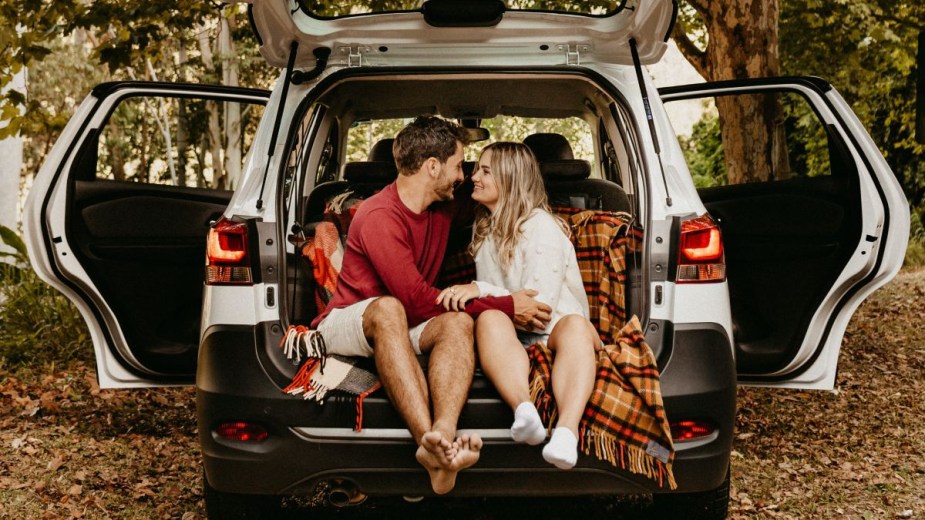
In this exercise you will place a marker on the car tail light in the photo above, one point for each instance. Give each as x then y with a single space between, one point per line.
690 430
227 261
700 252
242 431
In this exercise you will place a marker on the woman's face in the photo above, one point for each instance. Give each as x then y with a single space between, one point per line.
485 189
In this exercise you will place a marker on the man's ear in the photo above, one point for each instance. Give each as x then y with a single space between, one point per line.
432 166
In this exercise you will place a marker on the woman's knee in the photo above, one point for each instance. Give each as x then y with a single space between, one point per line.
574 328
492 318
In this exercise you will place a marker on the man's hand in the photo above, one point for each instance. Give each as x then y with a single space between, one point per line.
529 313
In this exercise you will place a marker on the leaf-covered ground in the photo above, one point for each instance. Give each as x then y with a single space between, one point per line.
71 450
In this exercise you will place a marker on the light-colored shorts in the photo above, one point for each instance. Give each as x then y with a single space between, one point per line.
342 330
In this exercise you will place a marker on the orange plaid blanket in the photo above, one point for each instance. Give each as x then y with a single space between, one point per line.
624 422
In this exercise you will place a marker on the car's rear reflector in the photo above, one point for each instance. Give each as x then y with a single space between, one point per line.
700 252
242 431
690 430
227 261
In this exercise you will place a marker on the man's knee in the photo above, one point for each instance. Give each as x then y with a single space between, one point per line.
385 312
455 323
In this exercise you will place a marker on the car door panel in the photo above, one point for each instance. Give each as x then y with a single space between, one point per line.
121 237
804 249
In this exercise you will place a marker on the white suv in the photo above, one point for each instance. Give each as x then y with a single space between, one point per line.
766 302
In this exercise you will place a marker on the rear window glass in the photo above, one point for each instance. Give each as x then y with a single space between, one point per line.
332 9
363 135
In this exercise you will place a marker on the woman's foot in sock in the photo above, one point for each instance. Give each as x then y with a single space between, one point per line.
527 427
562 450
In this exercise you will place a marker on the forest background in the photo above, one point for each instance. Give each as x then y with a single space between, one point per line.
53 53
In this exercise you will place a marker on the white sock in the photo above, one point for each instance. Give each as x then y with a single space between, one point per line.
562 450
527 427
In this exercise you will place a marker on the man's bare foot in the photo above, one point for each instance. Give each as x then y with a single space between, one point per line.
443 476
437 445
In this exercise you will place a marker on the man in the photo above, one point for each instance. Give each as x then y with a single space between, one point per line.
385 304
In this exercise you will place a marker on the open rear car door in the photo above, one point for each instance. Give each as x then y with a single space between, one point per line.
118 215
805 248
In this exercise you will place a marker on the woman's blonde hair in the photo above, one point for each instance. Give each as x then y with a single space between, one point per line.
520 191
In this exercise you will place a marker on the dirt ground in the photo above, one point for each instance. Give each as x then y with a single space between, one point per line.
71 450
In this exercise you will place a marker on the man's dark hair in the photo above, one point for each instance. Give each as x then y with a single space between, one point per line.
425 137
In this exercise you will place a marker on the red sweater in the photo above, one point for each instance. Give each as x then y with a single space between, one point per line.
393 251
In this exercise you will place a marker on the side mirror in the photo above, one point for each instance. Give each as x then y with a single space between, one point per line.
920 90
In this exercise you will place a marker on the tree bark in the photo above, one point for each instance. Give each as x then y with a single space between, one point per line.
743 43
11 150
215 132
232 113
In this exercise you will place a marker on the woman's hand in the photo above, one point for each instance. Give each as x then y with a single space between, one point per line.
454 298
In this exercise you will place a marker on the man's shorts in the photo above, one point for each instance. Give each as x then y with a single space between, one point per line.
342 330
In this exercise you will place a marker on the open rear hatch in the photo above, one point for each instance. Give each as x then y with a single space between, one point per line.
425 31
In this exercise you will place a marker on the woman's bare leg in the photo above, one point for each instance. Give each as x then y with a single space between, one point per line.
505 362
573 341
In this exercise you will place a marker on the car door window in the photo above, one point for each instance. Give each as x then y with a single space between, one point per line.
801 145
176 141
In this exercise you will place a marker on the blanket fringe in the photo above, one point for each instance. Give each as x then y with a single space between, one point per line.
544 404
300 341
630 458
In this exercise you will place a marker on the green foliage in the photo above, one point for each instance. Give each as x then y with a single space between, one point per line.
867 50
38 325
703 151
915 253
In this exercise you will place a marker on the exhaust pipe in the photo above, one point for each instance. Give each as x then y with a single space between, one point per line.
344 493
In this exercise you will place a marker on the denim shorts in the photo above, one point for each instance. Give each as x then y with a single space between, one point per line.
529 338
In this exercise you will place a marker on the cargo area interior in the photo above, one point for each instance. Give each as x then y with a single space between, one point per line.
573 183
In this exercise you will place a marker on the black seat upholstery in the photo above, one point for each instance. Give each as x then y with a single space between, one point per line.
567 179
362 177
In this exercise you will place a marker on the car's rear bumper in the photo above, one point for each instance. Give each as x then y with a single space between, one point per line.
311 443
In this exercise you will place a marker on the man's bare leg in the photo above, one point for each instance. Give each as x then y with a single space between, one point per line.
386 327
448 338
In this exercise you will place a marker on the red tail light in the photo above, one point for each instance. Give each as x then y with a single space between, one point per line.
242 431
227 261
700 253
690 430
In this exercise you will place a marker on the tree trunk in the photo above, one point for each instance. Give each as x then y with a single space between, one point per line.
11 150
182 122
232 123
215 132
743 43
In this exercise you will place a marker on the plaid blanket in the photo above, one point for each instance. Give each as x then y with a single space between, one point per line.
324 250
322 373
624 422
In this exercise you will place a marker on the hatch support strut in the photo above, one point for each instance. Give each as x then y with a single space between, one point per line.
287 79
645 102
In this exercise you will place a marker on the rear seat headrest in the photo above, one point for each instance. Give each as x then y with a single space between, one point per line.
572 170
549 147
382 151
380 172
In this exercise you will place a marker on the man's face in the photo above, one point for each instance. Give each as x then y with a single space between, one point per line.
450 174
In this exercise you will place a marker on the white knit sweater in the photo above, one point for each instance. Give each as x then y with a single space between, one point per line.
544 260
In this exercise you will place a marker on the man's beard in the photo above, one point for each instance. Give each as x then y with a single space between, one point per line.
445 190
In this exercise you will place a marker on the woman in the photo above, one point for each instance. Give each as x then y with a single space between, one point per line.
518 244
